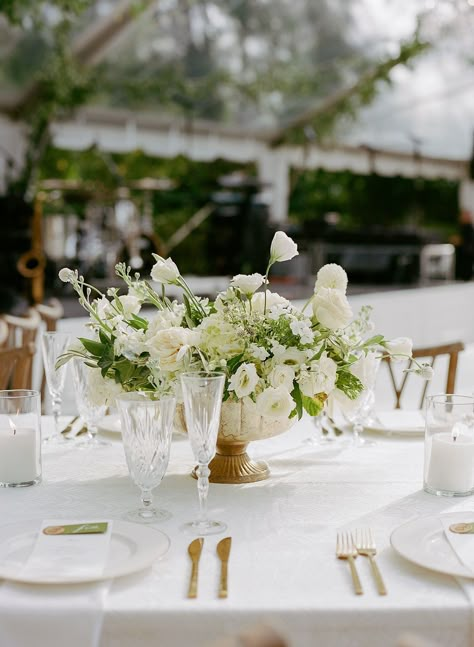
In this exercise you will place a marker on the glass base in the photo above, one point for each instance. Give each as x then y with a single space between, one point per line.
56 440
314 441
22 484
203 528
147 515
85 442
362 442
431 490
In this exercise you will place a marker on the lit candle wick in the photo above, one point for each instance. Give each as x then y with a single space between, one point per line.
455 433
12 425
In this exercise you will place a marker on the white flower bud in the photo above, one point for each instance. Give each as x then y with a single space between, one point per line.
283 248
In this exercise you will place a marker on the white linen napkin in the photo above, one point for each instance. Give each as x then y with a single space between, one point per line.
462 544
54 615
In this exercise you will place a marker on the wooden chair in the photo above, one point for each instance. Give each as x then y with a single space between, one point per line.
15 367
22 333
429 355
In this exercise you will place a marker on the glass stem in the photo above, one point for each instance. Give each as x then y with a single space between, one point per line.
356 431
56 407
203 472
91 431
147 499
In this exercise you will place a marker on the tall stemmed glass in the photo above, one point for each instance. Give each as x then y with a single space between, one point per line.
202 397
360 412
53 345
90 406
147 427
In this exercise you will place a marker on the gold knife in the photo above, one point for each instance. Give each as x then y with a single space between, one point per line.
194 550
69 427
223 552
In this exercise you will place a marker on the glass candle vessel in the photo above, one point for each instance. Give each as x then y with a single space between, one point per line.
20 438
449 445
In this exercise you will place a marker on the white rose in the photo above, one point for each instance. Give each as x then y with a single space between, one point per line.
275 403
282 375
244 380
331 276
331 308
248 283
164 270
169 346
282 248
399 348
66 275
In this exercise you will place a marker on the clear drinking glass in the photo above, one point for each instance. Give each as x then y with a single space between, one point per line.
202 397
90 407
20 438
53 345
449 445
360 411
147 427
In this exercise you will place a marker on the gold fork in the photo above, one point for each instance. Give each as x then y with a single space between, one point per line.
365 545
345 549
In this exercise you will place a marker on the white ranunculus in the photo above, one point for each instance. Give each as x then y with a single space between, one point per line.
273 299
283 248
282 375
275 403
399 348
164 270
248 283
331 308
244 380
169 346
331 276
66 275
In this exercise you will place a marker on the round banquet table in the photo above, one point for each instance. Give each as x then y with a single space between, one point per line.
283 571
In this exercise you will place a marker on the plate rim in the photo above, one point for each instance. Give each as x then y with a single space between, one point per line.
110 572
379 428
462 571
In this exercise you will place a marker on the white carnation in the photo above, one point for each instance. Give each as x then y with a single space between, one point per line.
331 308
248 283
164 270
283 248
275 403
331 276
244 380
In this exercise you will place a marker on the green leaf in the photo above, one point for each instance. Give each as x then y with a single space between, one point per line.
234 362
103 337
138 322
93 347
349 384
376 340
314 405
296 395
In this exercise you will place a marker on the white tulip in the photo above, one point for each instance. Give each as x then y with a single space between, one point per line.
283 248
331 276
331 308
248 283
164 270
399 348
275 403
244 380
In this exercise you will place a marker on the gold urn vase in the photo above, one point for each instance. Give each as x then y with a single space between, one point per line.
240 424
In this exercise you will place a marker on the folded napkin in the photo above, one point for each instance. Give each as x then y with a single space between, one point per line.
54 615
398 420
461 543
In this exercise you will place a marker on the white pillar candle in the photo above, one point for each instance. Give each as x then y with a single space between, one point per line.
19 459
450 462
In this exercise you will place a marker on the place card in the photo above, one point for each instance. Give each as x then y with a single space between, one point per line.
71 550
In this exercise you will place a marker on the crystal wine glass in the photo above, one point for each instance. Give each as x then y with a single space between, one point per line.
147 427
202 397
360 410
90 407
53 345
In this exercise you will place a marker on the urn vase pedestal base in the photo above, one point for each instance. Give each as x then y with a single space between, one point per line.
232 464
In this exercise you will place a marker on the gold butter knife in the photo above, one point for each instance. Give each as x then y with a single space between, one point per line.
69 427
194 550
223 552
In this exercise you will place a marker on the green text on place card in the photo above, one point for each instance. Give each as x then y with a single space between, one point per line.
77 529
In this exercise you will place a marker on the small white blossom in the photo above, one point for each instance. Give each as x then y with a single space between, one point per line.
259 352
67 275
248 283
331 276
283 248
302 329
425 371
164 270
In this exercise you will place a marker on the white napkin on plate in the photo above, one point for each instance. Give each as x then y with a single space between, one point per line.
462 544
398 420
54 615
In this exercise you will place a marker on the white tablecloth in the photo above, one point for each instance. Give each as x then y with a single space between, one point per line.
283 569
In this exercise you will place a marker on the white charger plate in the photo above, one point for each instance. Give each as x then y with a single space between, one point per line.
423 542
133 547
406 423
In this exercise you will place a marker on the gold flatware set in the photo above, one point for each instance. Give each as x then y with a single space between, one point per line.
348 547
223 552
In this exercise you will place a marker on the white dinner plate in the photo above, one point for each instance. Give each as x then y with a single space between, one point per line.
410 423
111 424
133 547
423 542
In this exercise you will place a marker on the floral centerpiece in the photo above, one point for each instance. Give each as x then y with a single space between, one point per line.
278 360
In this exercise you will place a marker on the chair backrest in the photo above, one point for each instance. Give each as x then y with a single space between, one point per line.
15 367
50 313
22 333
429 355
